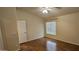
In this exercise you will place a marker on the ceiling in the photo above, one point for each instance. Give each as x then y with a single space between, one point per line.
54 12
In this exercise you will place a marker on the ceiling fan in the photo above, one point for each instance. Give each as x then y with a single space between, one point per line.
46 10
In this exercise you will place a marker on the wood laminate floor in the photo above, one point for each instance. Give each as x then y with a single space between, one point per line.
45 44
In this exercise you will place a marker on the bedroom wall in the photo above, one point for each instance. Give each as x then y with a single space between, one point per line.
35 24
67 28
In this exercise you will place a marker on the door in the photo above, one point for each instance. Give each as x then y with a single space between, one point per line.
1 41
22 32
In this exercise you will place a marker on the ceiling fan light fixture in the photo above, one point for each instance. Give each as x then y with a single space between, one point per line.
45 11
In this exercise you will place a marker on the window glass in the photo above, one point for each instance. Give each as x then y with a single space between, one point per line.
51 28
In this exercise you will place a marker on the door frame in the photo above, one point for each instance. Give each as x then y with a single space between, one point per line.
2 41
26 28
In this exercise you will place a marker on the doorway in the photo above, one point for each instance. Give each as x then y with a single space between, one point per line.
22 31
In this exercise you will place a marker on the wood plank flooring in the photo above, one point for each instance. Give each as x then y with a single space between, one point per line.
46 44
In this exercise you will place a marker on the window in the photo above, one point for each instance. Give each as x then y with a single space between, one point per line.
51 28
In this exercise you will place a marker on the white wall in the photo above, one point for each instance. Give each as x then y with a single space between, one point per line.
68 28
35 24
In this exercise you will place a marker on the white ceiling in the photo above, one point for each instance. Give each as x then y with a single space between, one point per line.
54 12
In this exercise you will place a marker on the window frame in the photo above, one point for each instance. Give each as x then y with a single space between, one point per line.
54 29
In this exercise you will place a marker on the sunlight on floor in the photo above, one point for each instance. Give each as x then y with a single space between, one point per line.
51 46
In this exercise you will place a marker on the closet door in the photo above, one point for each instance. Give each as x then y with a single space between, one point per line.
11 41
22 32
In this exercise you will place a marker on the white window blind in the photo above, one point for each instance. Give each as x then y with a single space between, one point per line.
51 28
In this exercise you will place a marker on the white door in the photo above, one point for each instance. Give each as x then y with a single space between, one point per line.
22 32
